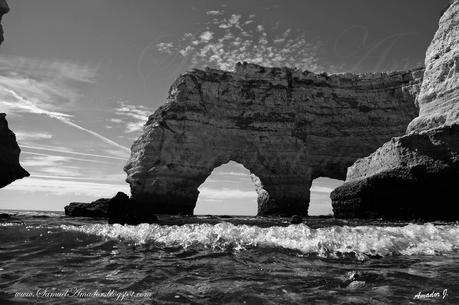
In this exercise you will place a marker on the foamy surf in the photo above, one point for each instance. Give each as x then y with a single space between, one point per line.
334 241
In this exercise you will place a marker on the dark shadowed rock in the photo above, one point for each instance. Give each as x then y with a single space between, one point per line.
119 209
10 169
416 176
125 210
287 127
98 208
5 216
295 220
410 177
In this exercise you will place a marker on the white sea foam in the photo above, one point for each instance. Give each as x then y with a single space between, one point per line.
361 241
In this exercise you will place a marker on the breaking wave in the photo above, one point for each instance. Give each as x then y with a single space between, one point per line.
334 241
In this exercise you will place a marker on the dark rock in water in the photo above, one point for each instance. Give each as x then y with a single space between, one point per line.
415 175
286 126
98 208
4 216
125 210
10 169
295 220
119 209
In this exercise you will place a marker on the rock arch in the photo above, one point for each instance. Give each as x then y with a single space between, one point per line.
286 126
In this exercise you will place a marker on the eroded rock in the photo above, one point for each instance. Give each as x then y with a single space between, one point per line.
286 126
409 177
125 210
10 169
415 175
98 208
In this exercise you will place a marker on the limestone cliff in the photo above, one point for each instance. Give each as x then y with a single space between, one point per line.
10 169
416 175
286 126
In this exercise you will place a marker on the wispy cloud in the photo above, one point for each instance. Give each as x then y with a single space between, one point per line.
15 102
133 117
50 85
67 158
50 69
225 193
50 164
66 151
214 13
230 38
64 187
321 189
32 136
46 88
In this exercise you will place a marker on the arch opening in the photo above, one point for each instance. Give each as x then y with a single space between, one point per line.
228 190
320 202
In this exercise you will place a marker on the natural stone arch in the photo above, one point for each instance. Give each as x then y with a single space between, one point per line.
286 126
177 165
229 190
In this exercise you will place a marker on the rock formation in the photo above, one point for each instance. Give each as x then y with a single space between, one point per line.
98 208
10 169
125 210
286 126
416 175
3 10
119 209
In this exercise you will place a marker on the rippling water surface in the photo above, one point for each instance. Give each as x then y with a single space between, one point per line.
238 260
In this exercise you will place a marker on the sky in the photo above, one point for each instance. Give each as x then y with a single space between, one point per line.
78 79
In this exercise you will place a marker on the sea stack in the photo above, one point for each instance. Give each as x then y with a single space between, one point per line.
286 126
416 176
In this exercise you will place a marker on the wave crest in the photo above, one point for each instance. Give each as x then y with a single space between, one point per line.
361 241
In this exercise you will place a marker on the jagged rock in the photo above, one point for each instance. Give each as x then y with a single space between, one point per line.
119 209
410 177
286 126
98 208
125 210
416 175
10 169
3 10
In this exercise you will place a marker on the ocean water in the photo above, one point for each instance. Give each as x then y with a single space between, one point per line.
47 258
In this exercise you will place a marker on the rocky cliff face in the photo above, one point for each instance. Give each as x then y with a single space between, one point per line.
416 175
3 10
10 169
439 96
286 126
